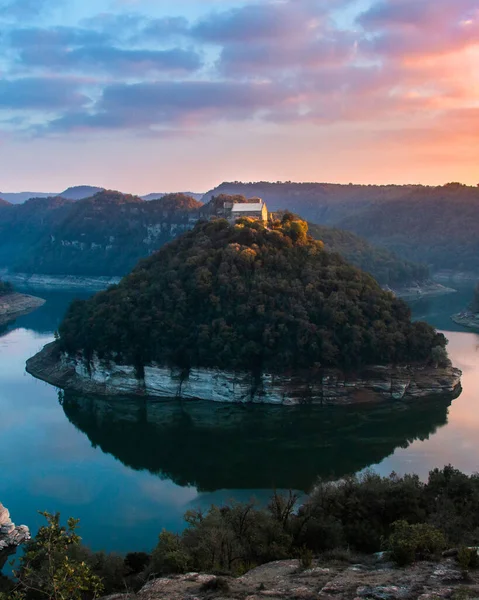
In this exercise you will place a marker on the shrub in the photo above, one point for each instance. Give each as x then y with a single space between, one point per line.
410 542
136 562
467 559
305 558
169 556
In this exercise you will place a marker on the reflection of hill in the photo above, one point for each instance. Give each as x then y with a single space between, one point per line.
217 446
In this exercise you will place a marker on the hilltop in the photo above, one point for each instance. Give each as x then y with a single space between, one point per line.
438 226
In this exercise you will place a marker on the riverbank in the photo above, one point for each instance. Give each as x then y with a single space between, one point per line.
417 291
16 305
329 387
66 282
467 319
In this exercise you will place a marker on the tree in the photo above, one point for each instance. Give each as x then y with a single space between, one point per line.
47 570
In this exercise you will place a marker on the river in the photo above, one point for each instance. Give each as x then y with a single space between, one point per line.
128 468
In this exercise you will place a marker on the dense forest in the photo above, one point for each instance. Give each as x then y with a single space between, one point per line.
475 300
107 234
249 298
385 266
438 226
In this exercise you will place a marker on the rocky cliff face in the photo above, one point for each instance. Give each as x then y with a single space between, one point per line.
322 387
16 305
370 579
467 319
11 536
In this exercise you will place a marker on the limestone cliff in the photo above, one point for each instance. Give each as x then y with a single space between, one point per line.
316 387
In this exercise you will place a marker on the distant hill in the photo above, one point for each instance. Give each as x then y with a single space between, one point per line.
385 266
4 202
107 234
21 197
434 225
24 225
72 193
80 192
155 196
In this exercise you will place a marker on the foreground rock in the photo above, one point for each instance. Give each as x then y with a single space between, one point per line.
284 580
322 387
467 319
11 536
15 305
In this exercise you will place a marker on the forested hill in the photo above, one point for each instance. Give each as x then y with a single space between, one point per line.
244 297
107 234
434 225
23 226
4 202
385 266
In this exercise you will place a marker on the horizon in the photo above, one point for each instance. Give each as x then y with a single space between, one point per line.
197 192
141 96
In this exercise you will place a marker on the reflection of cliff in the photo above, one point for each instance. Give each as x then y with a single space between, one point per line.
228 446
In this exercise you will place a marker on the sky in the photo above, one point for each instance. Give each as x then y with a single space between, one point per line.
155 96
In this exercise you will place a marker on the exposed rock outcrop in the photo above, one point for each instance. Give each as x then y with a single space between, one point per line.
15 305
425 289
283 580
61 281
319 387
11 536
467 319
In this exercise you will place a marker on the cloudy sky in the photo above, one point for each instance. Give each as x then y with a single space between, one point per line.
155 95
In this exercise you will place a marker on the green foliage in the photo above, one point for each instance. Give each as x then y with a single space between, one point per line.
467 558
6 288
410 542
104 235
246 297
46 569
305 558
168 556
385 266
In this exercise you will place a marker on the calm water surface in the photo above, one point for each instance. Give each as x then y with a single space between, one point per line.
129 468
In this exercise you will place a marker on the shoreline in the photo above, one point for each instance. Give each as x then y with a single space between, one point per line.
467 320
60 281
426 289
328 386
16 305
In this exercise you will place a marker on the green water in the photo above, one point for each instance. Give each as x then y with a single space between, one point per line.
128 468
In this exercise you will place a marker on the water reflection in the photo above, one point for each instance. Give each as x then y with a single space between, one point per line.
213 446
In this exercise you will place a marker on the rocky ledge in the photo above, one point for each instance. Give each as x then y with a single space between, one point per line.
370 579
320 387
66 282
467 319
424 289
15 305
11 536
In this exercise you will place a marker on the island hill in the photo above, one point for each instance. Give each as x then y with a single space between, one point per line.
470 316
14 305
97 240
243 312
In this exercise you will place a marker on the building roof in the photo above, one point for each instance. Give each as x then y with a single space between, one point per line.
243 207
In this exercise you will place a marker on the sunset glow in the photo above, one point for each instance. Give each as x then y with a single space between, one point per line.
143 96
